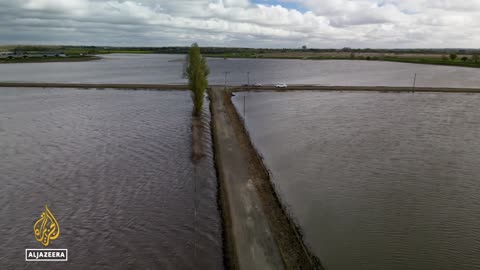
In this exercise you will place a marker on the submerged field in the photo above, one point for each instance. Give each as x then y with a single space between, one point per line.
114 167
167 69
375 180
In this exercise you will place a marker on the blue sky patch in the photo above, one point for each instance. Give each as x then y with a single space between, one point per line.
289 5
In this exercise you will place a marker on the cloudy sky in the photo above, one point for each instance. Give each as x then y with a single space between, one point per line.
245 23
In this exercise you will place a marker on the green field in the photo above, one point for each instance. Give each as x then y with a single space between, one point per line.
416 56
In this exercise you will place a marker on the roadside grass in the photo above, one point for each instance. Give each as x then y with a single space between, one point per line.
435 61
79 51
413 60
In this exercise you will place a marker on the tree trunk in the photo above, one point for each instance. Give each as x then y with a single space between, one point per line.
197 136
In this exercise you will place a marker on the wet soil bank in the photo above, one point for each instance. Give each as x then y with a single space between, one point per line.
357 88
259 234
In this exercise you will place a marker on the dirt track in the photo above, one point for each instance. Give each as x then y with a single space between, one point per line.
259 234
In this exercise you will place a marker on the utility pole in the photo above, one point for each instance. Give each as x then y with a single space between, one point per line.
226 73
414 82
244 116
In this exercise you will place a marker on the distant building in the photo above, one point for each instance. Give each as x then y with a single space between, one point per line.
46 54
5 54
26 54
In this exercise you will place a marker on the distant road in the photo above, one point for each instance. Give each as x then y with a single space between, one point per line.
306 87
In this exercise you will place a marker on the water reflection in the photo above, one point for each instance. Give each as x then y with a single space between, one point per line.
376 180
157 68
114 166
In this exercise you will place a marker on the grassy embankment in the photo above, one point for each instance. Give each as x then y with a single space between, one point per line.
74 50
73 53
431 59
48 59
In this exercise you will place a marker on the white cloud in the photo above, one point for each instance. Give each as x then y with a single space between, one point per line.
321 23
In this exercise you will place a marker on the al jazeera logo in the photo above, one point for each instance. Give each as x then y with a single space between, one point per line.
46 230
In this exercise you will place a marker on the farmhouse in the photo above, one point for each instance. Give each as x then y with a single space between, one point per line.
5 54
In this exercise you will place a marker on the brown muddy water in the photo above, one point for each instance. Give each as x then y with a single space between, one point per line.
114 168
375 180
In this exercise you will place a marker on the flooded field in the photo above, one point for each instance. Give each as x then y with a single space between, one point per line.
375 180
114 168
167 69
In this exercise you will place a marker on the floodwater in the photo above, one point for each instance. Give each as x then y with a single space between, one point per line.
158 68
375 180
114 168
